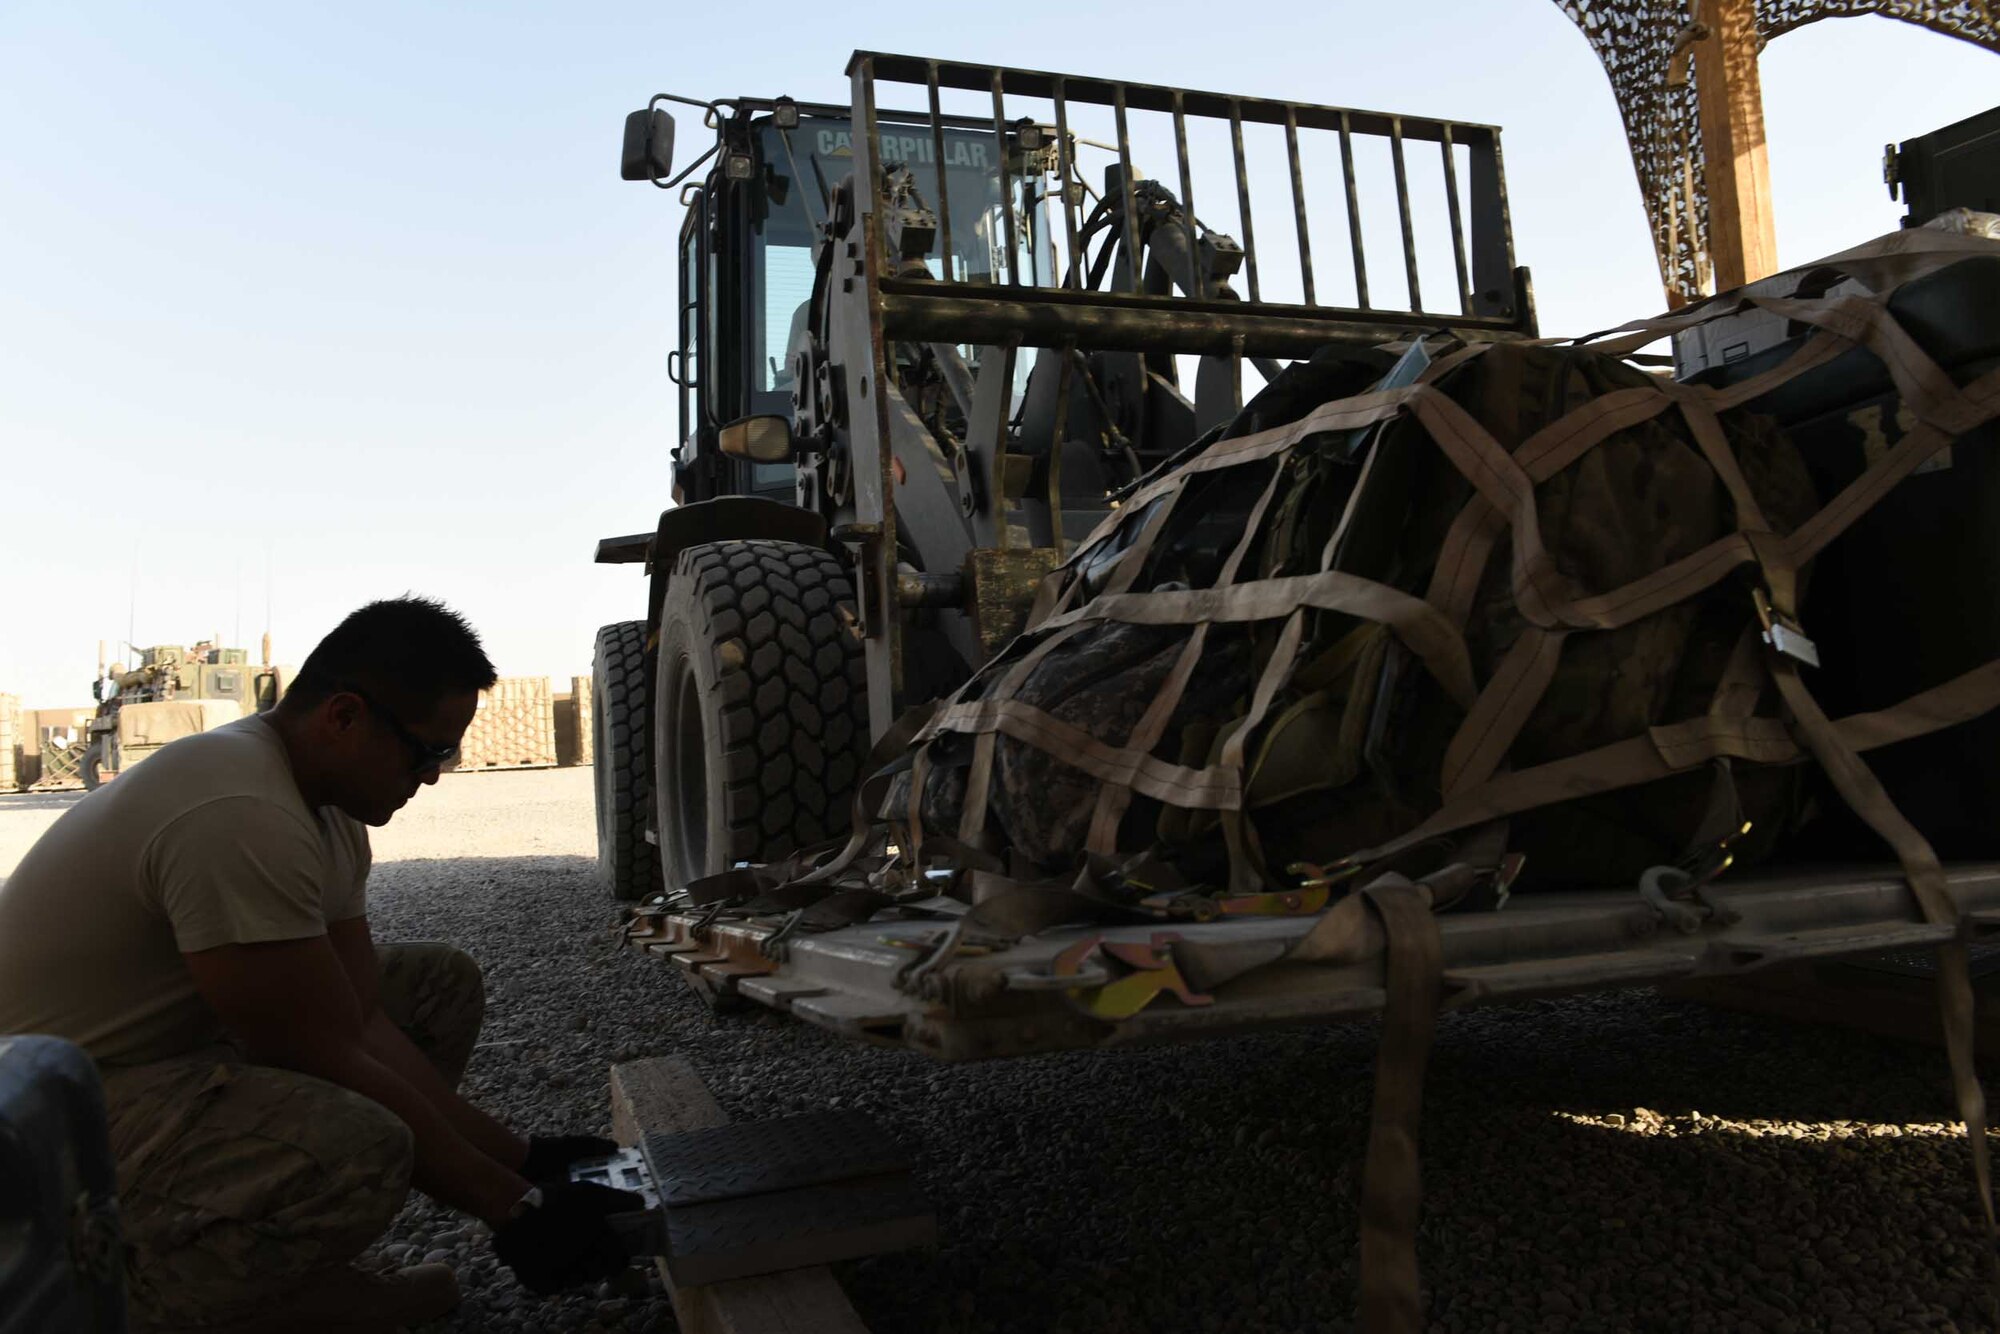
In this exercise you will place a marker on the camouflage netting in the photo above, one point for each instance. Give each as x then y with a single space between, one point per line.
1638 40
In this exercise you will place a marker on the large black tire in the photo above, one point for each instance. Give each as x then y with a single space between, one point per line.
763 705
96 760
621 738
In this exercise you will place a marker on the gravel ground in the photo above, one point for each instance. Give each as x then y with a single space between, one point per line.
1616 1162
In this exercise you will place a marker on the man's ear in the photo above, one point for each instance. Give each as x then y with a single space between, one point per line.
340 712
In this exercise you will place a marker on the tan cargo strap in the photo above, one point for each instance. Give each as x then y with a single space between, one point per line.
1881 265
1391 1182
1197 789
913 809
1345 414
868 794
1113 799
1245 860
1865 795
1007 909
1665 751
1423 630
979 778
1505 706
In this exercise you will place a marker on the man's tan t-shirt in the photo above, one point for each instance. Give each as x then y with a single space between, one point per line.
207 843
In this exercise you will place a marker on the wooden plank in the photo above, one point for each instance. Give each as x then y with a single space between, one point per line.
665 1093
1742 235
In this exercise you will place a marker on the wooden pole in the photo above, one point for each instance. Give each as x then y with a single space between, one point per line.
1742 238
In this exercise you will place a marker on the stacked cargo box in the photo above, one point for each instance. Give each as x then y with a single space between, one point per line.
10 742
573 723
52 746
514 728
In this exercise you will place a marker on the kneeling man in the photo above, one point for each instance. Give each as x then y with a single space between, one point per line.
275 1081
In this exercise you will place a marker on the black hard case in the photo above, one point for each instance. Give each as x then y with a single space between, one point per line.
61 1258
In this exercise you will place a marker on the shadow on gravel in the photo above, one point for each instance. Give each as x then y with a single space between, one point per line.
1210 1188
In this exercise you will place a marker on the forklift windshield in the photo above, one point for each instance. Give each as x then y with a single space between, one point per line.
800 168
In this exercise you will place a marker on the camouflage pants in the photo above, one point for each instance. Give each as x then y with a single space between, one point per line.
234 1179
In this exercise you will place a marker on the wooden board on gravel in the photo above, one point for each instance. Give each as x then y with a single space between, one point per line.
664 1093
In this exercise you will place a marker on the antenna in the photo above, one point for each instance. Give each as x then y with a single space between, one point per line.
132 605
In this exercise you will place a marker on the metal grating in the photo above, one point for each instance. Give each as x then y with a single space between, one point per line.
1421 149
757 1157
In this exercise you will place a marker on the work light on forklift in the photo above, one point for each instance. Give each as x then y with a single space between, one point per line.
761 439
739 166
785 114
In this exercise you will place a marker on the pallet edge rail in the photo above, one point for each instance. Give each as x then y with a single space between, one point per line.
1010 1002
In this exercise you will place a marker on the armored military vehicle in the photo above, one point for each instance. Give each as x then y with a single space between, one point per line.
173 692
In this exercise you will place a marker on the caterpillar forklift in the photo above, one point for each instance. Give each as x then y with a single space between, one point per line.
918 356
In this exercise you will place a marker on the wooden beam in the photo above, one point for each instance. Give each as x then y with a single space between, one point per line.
665 1094
1742 236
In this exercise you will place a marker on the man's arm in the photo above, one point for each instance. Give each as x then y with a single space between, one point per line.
389 1045
354 945
291 1005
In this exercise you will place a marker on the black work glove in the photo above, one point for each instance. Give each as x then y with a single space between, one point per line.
549 1156
565 1241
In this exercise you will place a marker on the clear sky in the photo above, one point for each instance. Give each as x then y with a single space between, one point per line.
326 302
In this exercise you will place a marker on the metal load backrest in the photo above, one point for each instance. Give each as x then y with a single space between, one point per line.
1090 306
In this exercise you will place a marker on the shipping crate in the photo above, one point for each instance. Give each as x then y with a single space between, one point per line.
10 743
52 742
514 729
61 763
573 723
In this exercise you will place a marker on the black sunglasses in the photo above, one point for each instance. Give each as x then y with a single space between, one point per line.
424 755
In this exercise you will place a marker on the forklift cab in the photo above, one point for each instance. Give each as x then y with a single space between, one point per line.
748 262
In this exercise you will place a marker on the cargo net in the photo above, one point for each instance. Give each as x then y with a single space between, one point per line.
1643 45
1445 612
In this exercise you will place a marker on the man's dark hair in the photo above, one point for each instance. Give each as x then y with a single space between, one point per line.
408 652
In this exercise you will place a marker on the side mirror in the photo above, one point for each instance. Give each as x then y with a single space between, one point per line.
765 439
649 146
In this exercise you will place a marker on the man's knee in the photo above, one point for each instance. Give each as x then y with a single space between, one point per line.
435 993
275 1174
366 1156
